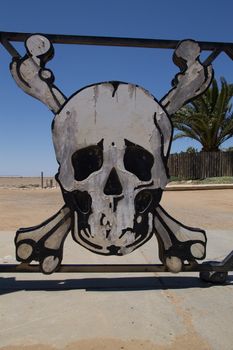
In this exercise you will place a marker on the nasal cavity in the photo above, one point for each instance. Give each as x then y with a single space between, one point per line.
113 185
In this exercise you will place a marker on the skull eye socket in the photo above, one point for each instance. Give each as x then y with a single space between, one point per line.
86 161
138 161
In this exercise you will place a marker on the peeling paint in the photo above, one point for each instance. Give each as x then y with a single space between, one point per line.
112 141
124 112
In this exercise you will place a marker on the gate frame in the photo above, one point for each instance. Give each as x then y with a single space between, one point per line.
215 272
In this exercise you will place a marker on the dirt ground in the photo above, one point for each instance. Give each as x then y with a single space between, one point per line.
29 206
25 206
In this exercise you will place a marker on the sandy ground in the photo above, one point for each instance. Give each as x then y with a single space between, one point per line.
210 209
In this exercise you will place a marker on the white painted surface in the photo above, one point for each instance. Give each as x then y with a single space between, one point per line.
94 114
102 112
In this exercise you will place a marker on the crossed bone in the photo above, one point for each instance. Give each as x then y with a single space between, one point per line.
177 242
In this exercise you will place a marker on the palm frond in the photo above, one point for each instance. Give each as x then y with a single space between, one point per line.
208 119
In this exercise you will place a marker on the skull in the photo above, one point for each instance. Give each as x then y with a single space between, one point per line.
112 141
112 165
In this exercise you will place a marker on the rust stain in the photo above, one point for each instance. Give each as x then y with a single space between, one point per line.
191 338
189 341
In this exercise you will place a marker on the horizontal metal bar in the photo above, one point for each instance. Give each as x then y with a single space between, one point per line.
114 41
12 268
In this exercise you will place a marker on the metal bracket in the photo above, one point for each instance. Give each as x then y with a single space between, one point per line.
212 56
10 48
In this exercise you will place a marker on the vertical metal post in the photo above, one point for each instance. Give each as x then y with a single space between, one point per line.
42 180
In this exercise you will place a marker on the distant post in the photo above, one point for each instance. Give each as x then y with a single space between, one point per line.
42 180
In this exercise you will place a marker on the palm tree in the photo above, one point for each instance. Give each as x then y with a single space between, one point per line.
209 118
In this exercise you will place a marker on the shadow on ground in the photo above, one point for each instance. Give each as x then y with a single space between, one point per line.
11 284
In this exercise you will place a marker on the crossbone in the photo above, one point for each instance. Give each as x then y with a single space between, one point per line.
112 142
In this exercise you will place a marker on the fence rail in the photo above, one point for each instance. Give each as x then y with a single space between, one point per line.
201 165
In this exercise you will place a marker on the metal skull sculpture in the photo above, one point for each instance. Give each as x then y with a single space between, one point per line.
111 179
112 141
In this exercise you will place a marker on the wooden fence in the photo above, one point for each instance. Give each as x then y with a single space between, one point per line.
201 165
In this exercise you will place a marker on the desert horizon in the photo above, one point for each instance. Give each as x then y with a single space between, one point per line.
15 181
23 202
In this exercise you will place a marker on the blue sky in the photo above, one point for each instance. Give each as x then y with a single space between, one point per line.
25 134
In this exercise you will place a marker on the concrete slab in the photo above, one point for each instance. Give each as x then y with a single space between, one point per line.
115 311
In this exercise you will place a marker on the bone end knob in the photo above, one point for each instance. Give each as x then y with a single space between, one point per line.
174 264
